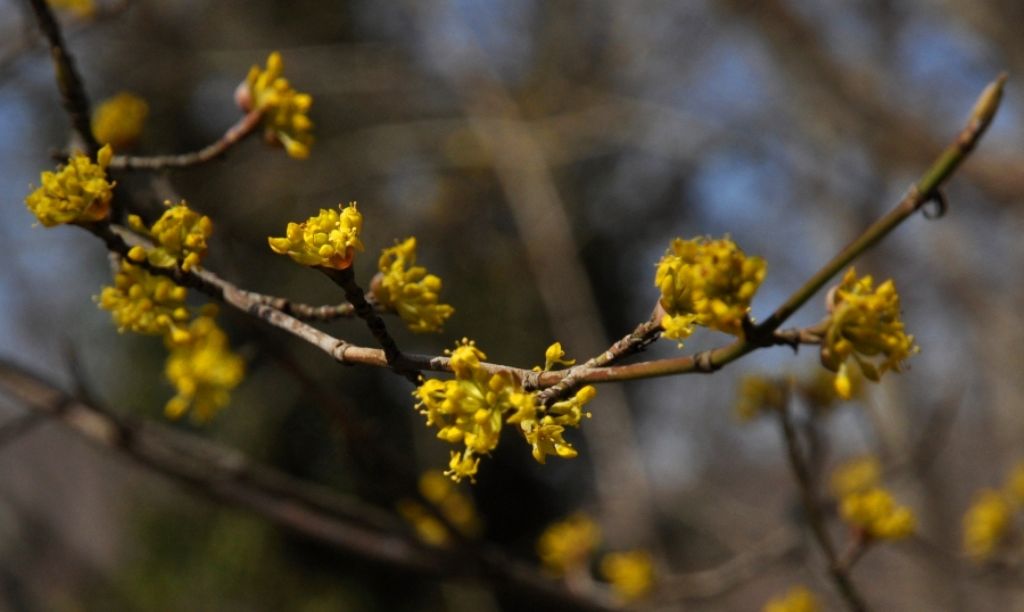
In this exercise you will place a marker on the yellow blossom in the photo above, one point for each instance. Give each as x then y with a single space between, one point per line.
456 508
203 370
284 111
567 545
986 524
798 599
706 282
759 394
875 512
856 475
471 408
409 290
631 573
555 356
819 388
145 303
329 239
118 121
865 325
82 9
180 235
77 193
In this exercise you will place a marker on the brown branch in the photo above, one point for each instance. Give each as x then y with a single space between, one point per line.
815 516
72 91
343 523
235 134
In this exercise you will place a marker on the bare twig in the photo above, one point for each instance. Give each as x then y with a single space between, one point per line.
235 134
72 91
815 517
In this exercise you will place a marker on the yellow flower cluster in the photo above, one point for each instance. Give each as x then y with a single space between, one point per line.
470 409
79 8
409 290
987 524
456 507
630 573
179 235
856 475
203 370
329 239
567 545
284 111
865 324
706 282
77 193
874 511
145 303
118 121
798 599
758 395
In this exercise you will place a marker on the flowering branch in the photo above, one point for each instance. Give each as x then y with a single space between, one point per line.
227 476
234 135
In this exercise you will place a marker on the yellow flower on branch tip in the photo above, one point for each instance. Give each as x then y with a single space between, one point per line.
329 239
409 290
875 512
179 235
568 545
203 370
759 395
865 326
285 112
554 355
798 599
118 121
631 573
856 475
472 408
706 282
987 524
77 193
145 303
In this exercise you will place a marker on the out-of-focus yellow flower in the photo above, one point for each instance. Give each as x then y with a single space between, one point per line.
83 9
567 545
179 235
798 599
203 370
145 303
329 239
856 475
1015 485
986 524
118 121
409 290
875 512
759 394
865 325
284 111
471 408
631 573
77 193
456 507
706 282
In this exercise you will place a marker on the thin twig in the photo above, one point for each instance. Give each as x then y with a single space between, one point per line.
815 516
235 134
72 91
